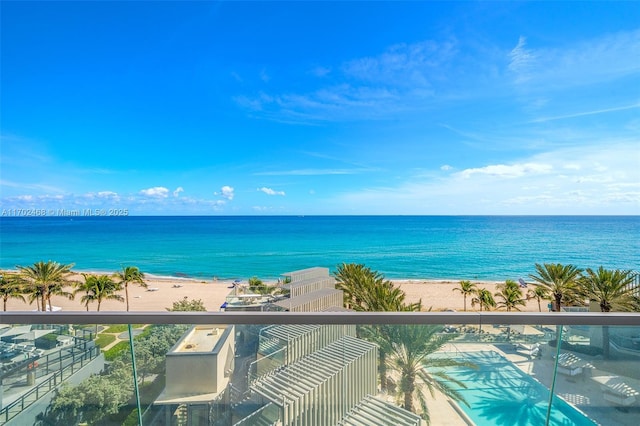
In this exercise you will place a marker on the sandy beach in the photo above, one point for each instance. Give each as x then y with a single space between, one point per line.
163 291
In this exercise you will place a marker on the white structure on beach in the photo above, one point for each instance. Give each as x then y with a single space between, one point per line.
311 290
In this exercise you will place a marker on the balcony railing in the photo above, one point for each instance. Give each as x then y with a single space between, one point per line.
275 368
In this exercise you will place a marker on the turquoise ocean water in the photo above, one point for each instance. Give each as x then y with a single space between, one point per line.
428 247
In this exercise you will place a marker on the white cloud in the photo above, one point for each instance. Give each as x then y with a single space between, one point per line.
522 60
398 79
571 166
595 60
227 192
508 171
603 179
156 192
107 194
587 113
408 65
321 71
264 76
445 167
270 191
178 191
236 77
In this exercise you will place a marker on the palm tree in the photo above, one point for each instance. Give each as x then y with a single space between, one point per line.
44 280
467 288
58 289
539 293
410 347
367 290
560 280
130 274
510 296
85 287
99 288
612 290
10 288
484 298
354 280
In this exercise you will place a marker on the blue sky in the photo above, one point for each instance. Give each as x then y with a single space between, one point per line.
321 107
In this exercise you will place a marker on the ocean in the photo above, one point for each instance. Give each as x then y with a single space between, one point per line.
410 247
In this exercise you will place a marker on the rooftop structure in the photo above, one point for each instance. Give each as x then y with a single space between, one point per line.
312 391
198 372
310 290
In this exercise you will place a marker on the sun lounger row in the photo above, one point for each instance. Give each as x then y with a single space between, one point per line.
570 364
617 390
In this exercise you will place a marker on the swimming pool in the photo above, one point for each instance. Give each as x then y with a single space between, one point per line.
499 394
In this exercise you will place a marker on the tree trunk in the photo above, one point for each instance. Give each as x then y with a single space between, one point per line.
605 342
465 303
605 335
382 370
408 392
126 292
539 306
558 303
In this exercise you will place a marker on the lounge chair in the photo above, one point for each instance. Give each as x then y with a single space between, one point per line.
617 390
570 364
529 350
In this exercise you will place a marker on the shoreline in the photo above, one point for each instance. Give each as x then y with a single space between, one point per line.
162 291
213 279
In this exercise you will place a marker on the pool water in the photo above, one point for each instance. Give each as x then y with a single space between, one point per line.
499 394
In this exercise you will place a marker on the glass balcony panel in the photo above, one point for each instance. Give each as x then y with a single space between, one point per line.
604 384
318 374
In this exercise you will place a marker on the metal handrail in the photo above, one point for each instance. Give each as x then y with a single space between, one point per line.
55 379
376 318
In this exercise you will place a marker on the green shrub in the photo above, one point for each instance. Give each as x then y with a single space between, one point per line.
116 351
132 418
